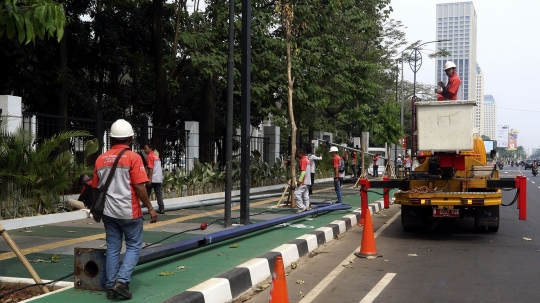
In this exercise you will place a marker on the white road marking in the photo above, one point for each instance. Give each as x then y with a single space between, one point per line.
532 182
374 293
334 273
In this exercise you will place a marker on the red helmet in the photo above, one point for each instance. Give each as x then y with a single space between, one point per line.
420 155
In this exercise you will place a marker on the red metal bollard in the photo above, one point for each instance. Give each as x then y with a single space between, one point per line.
521 185
386 194
364 186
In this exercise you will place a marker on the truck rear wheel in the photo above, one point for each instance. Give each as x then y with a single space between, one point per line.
413 217
493 229
486 216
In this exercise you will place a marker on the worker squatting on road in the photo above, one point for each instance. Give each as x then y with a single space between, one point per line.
450 91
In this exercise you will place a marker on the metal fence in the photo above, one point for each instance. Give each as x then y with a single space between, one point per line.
43 126
174 142
212 148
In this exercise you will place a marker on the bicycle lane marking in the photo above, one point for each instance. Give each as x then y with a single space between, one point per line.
334 273
35 249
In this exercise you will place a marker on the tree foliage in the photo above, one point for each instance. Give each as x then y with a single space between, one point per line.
29 19
343 58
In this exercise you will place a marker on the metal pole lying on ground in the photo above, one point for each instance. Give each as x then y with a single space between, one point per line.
22 258
89 272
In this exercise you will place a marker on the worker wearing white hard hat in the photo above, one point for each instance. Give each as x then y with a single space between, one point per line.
450 91
339 171
121 214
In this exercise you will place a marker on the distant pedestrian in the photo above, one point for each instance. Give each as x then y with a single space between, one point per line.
376 166
122 216
301 192
399 165
408 163
312 158
337 161
346 160
353 158
155 176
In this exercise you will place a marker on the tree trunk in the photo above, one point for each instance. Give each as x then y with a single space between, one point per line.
290 84
160 107
208 119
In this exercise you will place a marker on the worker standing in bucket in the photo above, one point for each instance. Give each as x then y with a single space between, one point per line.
450 91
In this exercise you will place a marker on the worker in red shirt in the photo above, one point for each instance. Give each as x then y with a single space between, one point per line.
304 181
122 216
450 91
376 165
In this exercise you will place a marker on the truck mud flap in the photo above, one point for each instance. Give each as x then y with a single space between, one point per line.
413 215
487 216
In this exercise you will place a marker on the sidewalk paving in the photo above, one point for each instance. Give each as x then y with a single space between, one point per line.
214 273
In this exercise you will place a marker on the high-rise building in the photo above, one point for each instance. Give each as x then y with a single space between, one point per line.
457 22
479 109
490 117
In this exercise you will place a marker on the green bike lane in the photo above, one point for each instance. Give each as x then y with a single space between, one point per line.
159 280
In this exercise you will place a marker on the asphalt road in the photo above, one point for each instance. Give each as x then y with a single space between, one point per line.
448 262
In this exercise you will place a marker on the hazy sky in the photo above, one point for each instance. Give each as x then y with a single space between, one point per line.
508 52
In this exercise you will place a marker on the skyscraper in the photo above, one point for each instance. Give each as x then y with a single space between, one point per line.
479 109
457 22
490 117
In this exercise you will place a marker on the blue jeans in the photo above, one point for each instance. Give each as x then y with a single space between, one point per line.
132 230
337 187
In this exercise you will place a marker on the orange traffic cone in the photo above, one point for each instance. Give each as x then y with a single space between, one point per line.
367 247
278 292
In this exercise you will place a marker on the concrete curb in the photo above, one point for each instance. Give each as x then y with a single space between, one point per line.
85 213
234 282
45 219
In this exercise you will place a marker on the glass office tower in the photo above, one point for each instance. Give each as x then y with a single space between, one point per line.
490 117
457 22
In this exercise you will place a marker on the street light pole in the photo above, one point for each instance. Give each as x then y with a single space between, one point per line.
417 57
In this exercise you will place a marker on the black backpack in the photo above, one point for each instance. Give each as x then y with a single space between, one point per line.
341 165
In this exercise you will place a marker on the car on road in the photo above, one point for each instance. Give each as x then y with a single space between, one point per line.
528 164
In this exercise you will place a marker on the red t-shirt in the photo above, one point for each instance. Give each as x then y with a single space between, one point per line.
335 162
375 159
303 166
452 87
121 201
353 155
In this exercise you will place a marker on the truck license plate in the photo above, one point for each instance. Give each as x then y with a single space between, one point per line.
451 213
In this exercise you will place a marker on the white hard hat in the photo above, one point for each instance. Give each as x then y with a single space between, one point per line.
399 155
449 64
121 129
333 149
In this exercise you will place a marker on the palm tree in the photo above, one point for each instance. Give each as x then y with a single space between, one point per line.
34 176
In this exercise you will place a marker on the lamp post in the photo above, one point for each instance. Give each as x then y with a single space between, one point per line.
413 63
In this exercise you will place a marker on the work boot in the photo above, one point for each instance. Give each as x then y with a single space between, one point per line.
121 289
111 294
161 211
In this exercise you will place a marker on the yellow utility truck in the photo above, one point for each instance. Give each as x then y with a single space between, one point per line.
453 179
